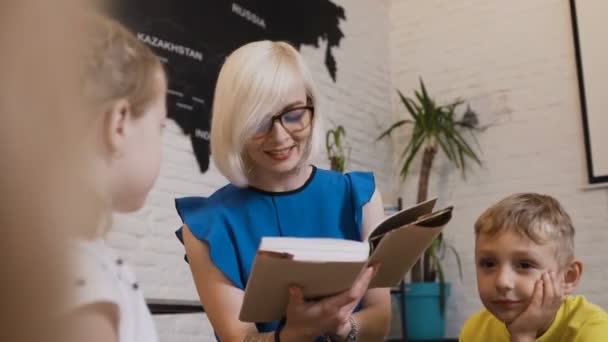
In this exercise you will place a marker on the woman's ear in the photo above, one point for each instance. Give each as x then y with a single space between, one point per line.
572 273
116 126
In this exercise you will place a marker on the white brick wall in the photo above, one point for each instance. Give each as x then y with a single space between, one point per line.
515 61
358 101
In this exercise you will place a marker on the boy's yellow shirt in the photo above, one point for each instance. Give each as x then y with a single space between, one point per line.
577 320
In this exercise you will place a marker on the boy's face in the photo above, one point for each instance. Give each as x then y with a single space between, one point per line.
508 265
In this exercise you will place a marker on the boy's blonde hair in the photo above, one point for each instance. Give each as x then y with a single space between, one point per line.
117 65
253 81
540 218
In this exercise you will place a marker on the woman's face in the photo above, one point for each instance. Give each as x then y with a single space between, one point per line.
278 146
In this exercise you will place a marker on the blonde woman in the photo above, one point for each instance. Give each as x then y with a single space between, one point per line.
266 126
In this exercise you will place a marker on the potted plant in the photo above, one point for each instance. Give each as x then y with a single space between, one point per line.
435 129
334 144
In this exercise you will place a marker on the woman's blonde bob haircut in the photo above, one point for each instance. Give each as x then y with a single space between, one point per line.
251 86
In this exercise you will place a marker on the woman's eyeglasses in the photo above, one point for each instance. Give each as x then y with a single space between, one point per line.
293 119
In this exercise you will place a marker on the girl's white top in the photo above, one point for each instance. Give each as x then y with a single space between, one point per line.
103 277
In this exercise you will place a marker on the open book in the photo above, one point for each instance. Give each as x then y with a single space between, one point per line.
326 266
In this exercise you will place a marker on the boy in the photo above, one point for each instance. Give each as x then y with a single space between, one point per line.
526 270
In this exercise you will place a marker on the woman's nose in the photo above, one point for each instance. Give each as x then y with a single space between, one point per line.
278 132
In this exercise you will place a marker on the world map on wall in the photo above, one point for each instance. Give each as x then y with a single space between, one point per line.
193 38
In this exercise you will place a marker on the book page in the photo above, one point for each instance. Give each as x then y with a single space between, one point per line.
403 217
317 249
400 248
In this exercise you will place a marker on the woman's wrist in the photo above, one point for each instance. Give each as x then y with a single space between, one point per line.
343 331
348 331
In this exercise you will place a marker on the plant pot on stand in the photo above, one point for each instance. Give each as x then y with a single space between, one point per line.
434 129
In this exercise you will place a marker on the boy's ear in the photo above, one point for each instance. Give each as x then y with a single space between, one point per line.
116 126
572 275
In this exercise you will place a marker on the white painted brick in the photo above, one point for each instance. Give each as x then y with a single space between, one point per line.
515 61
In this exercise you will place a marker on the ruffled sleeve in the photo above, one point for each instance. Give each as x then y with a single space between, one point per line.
207 223
362 186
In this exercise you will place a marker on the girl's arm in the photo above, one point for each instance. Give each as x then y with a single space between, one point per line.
94 323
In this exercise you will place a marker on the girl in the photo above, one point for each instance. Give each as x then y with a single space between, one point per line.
124 86
266 124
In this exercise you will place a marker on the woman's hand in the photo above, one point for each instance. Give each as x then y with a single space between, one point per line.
540 313
309 319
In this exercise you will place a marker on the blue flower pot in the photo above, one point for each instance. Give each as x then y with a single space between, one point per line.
424 321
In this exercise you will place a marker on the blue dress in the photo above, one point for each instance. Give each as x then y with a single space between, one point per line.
233 220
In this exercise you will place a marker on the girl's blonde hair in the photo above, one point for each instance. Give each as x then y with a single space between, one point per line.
540 218
253 81
117 65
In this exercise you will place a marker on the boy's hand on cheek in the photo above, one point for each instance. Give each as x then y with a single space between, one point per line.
540 312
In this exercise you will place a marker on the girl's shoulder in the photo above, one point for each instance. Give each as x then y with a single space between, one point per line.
95 268
99 277
99 274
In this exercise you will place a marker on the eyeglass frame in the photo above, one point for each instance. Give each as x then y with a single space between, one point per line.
278 117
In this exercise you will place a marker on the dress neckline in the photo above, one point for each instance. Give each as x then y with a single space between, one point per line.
289 192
